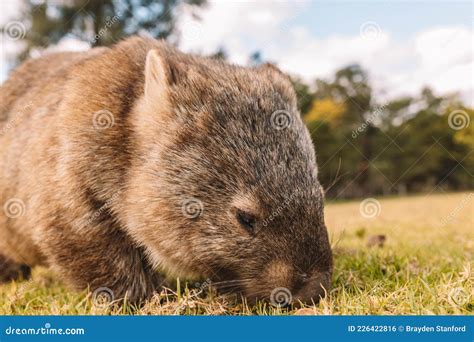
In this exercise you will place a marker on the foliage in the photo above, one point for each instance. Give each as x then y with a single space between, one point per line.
326 110
101 22
404 145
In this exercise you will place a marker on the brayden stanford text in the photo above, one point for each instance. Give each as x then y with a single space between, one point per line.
437 328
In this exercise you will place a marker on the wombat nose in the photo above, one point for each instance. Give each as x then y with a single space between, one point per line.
313 288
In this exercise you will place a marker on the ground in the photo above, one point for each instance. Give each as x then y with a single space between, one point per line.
401 255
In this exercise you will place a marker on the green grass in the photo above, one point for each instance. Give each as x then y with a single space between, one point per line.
425 266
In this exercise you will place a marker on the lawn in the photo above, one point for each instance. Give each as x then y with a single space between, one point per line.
410 255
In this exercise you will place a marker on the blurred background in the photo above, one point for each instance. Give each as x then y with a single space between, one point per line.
386 88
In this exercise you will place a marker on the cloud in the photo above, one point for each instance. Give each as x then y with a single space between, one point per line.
439 57
240 27
446 59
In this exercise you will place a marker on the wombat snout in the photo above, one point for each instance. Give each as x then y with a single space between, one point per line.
313 288
284 285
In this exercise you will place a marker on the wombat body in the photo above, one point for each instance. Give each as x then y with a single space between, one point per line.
120 161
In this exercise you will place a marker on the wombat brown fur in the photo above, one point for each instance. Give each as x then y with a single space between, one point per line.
119 162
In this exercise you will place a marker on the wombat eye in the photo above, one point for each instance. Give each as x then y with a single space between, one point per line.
246 220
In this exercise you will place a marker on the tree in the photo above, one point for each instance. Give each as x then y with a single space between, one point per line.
350 88
409 144
464 124
303 94
219 54
255 58
326 109
98 22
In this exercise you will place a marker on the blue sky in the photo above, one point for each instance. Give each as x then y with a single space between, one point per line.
400 18
404 45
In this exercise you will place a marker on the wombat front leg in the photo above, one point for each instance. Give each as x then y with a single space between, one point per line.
10 270
101 258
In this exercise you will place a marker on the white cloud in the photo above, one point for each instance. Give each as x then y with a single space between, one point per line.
442 47
446 59
241 27
10 10
9 45
440 57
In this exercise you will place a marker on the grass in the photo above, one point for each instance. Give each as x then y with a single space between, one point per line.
424 267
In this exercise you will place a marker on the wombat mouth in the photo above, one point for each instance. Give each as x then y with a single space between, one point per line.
308 292
227 281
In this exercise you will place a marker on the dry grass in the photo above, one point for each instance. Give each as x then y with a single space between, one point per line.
425 266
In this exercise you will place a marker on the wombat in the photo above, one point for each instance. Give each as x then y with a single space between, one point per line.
120 165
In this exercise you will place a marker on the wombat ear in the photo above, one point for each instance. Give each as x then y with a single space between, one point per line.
272 71
280 80
156 75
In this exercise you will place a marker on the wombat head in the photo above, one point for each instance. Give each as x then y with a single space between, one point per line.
226 184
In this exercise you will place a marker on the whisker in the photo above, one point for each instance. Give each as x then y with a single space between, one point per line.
230 281
222 285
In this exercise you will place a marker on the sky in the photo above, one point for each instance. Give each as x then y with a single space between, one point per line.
404 45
